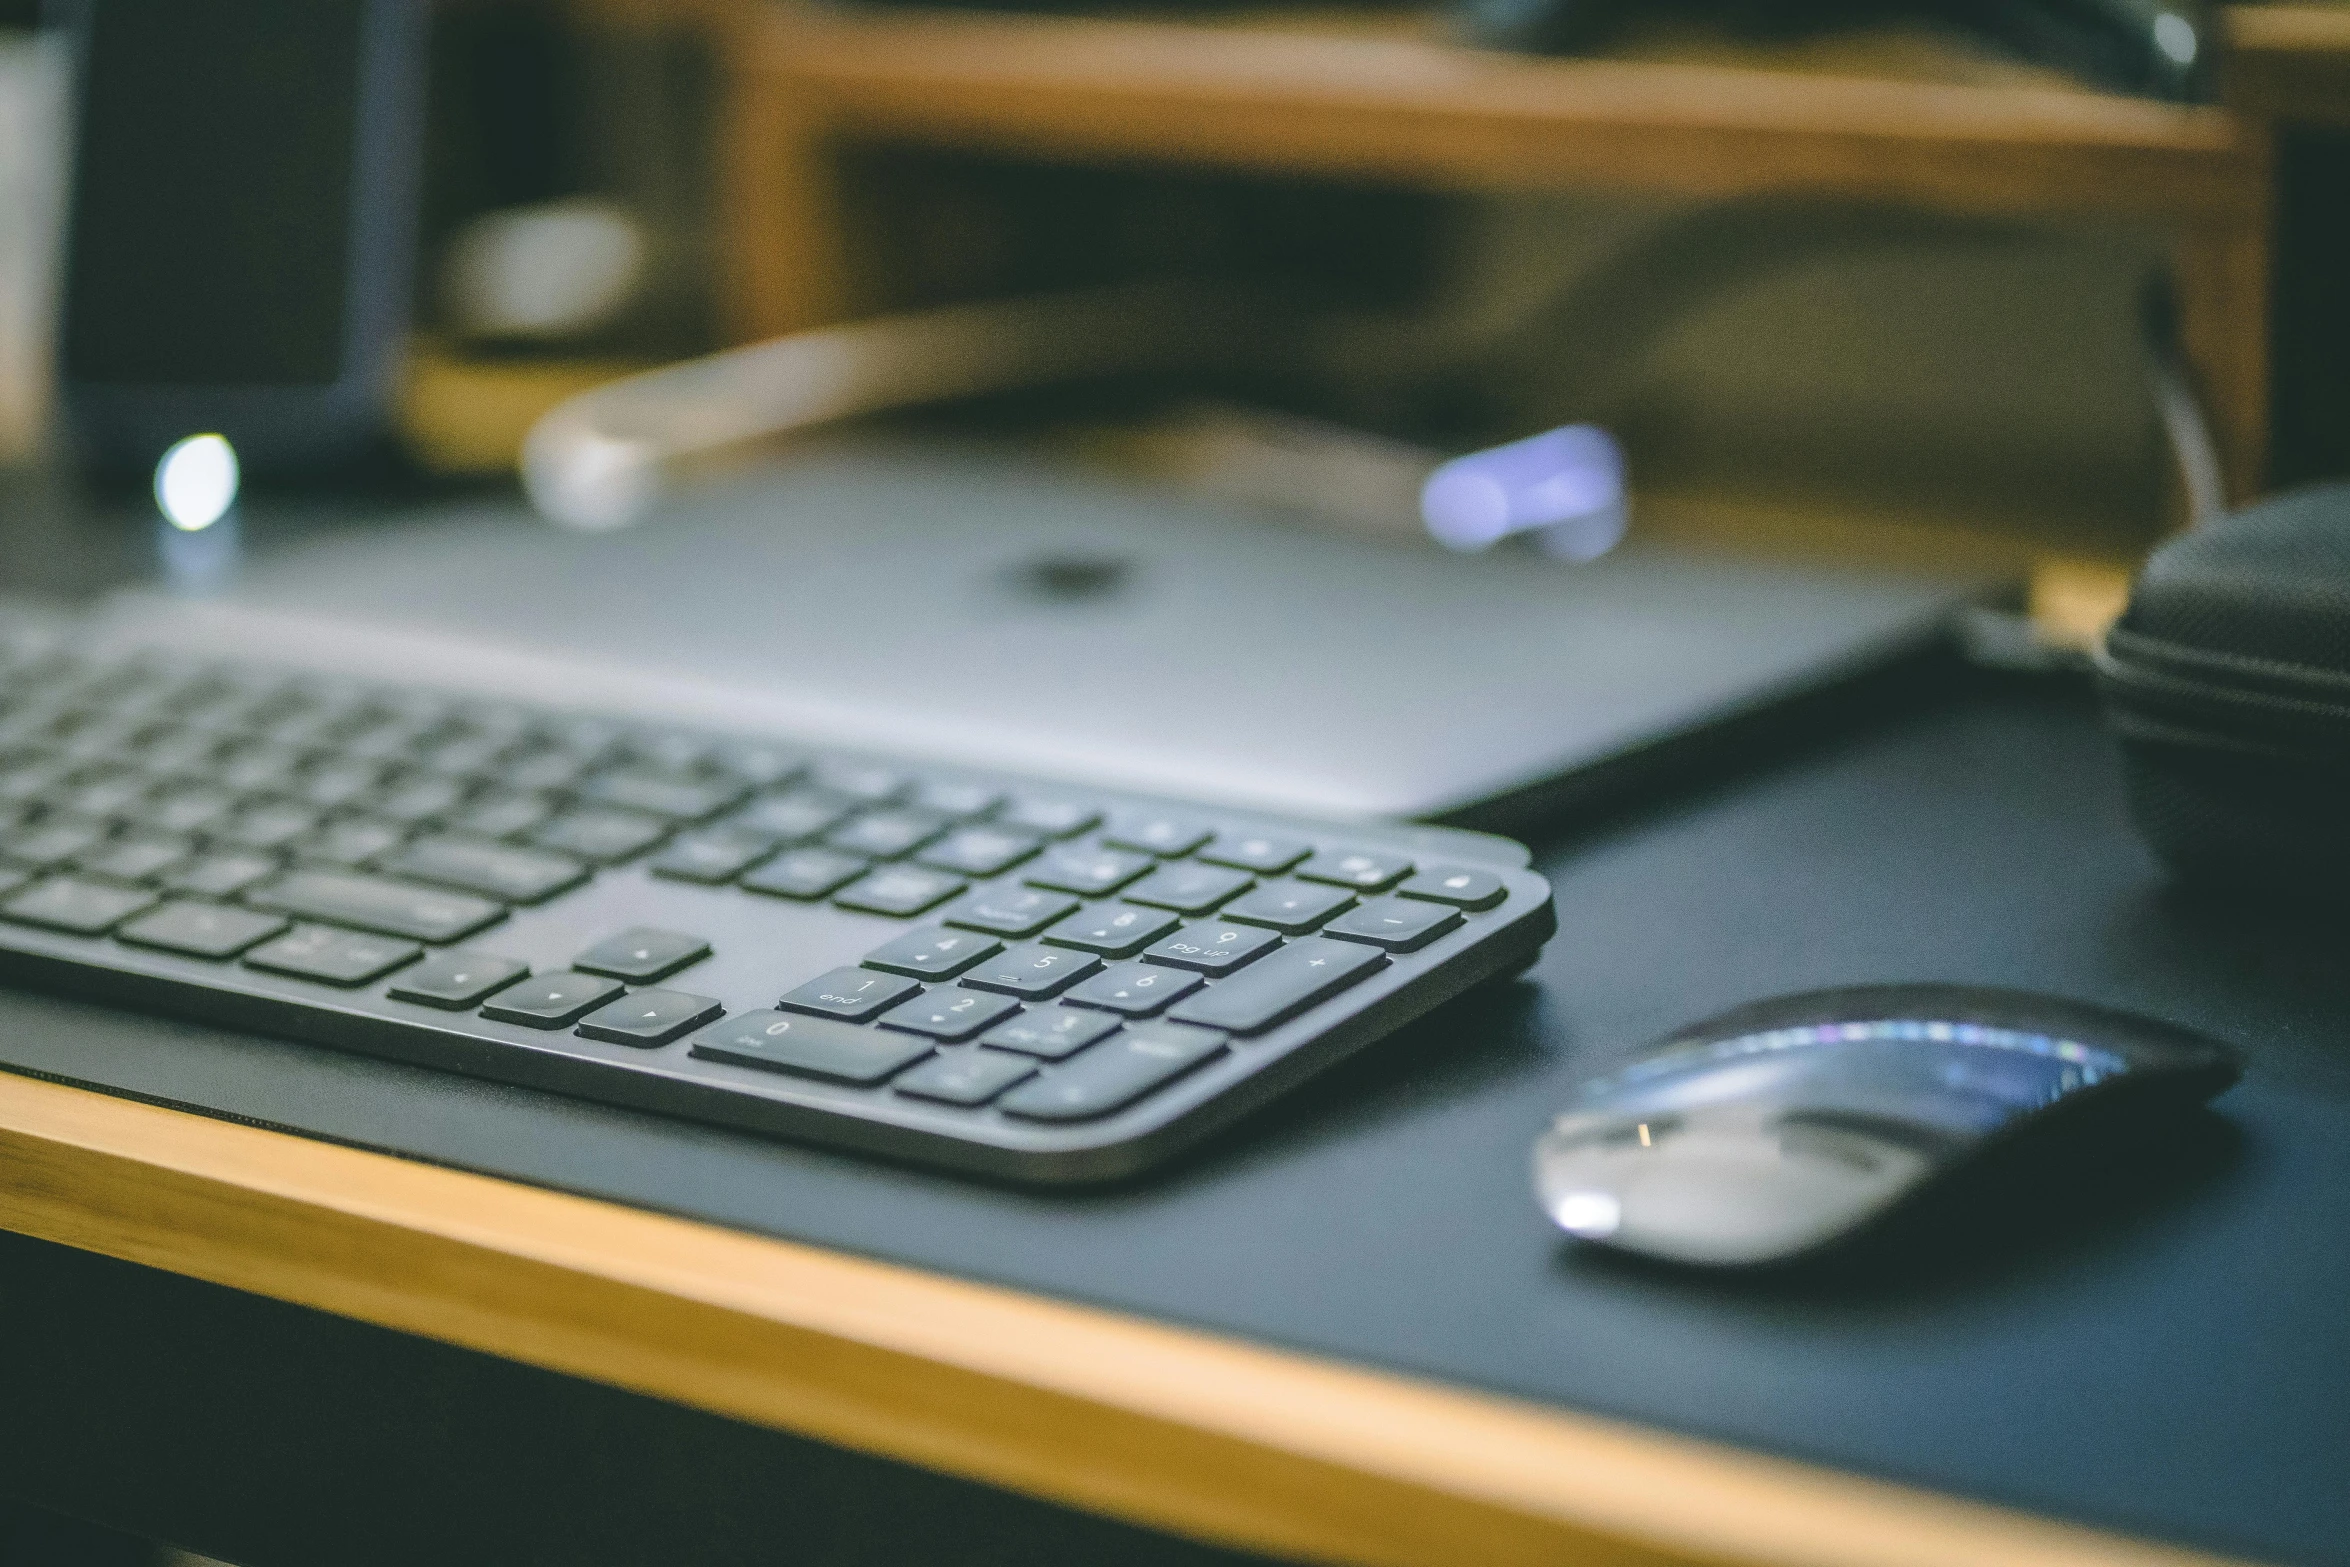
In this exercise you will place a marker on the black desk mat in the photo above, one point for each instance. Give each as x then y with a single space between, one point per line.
2165 1353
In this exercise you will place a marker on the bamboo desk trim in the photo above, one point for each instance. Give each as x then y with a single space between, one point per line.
1203 1436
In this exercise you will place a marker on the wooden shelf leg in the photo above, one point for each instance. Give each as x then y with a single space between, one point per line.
783 226
2221 275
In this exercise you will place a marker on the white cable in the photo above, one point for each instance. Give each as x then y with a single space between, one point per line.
594 461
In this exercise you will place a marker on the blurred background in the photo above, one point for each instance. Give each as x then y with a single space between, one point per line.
1869 283
1935 286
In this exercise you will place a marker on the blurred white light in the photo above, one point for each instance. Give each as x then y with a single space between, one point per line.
2175 36
545 272
196 482
1564 485
1593 1215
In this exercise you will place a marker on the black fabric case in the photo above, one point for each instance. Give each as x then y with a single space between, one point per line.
2228 681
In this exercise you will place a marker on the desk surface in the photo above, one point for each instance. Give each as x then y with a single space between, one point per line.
2161 1355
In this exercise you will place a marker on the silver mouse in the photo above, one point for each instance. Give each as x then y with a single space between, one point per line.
1780 1129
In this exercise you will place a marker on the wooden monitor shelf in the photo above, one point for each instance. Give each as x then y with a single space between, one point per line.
1384 99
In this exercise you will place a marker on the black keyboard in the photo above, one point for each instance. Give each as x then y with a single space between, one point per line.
972 970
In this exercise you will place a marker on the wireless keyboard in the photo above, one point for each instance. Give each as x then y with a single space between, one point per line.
984 972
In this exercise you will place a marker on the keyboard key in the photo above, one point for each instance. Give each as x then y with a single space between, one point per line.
671 751
1134 989
1033 972
1290 907
1254 852
1465 889
104 797
794 817
899 889
805 873
649 1018
588 739
28 781
757 762
529 772
551 1000
503 815
52 843
1396 924
194 809
957 799
808 1047
272 825
179 754
1361 869
219 875
1188 889
1113 1075
951 1015
850 994
1010 911
457 981
200 930
389 908
338 784
135 859
389 741
352 842
1114 930
260 771
1281 986
1161 835
884 835
964 1077
1089 871
77 907
420 800
866 782
713 855
1050 1032
497 870
601 834
1048 817
1213 947
933 954
979 851
337 957
679 797
464 757
642 954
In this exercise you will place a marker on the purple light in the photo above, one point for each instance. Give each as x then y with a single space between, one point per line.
1566 483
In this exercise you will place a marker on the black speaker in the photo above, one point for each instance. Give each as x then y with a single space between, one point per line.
241 229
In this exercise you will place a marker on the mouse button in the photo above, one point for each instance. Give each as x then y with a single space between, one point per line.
1573 1131
1742 1199
1955 1092
1684 1081
1720 1190
1894 1160
1837 1132
1584 1166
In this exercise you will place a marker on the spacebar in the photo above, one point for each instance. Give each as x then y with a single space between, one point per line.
389 908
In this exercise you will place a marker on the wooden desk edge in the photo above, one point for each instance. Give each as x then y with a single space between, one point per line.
1208 1437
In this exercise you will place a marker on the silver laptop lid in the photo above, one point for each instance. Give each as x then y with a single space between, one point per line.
1003 613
